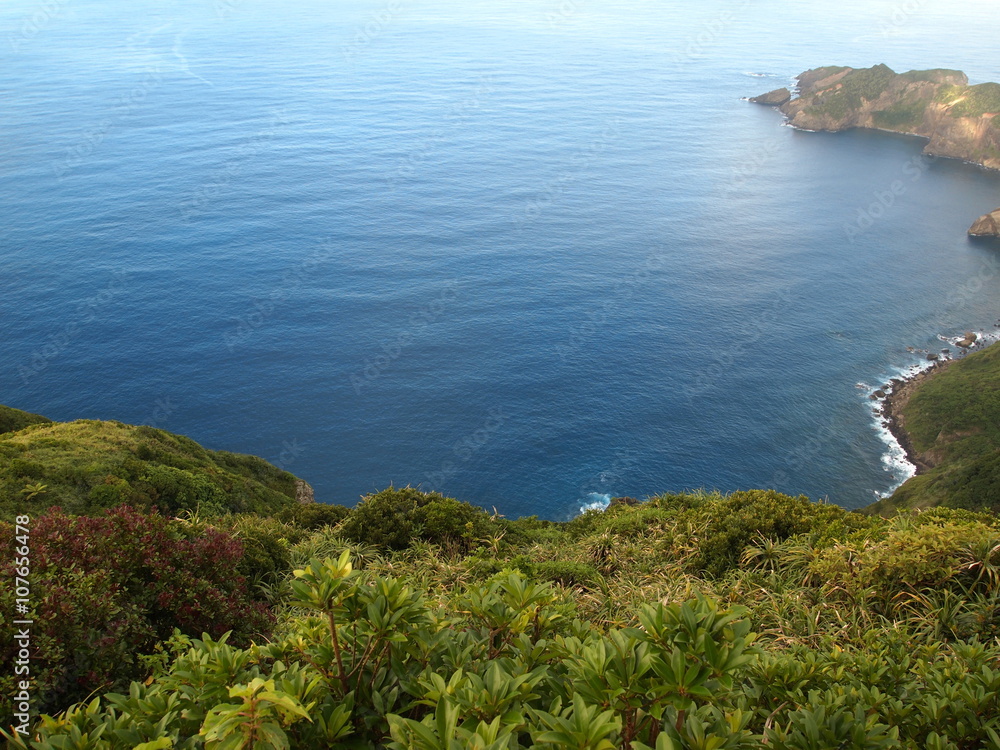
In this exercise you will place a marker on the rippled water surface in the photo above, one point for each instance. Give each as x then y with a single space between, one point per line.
530 254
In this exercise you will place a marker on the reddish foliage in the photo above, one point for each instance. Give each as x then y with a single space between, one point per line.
106 589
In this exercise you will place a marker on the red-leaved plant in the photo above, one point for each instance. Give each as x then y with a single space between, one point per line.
107 589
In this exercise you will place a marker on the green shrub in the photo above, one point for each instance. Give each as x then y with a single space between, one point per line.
567 573
395 518
12 420
313 516
266 546
730 524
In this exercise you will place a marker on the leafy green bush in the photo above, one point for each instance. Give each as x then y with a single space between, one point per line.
266 546
872 633
395 518
313 516
730 524
377 666
88 466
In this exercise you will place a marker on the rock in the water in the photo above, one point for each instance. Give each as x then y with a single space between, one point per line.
987 225
969 340
773 98
932 357
879 393
623 501
303 492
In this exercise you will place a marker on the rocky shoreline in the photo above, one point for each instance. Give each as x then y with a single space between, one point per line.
896 394
987 225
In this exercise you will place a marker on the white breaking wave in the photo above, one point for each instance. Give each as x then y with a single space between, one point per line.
595 501
894 458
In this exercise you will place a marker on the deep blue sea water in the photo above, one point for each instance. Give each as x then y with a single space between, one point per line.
529 254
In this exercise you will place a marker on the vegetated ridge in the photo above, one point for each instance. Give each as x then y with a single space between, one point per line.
86 466
959 120
949 422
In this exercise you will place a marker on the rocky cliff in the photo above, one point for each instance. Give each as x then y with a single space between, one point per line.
987 226
959 120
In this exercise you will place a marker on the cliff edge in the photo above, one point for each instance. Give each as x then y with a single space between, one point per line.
987 225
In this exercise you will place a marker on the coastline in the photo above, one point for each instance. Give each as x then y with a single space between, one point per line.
898 393
884 101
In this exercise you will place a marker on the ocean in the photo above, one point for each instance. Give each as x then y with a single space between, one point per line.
529 254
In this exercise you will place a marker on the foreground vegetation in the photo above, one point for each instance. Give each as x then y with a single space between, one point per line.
216 612
416 621
953 420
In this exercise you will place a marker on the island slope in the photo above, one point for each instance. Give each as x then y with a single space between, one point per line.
958 120
949 422
86 466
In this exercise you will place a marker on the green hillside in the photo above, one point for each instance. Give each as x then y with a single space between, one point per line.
953 420
86 466
12 420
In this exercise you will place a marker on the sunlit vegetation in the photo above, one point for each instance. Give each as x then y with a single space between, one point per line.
911 93
85 466
417 621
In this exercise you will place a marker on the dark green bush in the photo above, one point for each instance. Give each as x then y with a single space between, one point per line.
735 521
394 518
313 516
266 544
12 420
567 573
